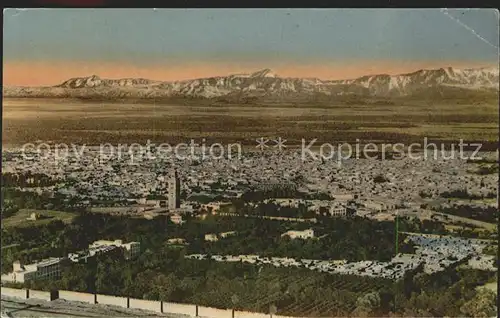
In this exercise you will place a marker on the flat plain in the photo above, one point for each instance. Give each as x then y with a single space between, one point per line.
90 122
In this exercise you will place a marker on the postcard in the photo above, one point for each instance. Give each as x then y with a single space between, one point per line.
250 162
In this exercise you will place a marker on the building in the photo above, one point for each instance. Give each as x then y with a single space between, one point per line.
306 234
131 249
338 210
45 269
342 196
99 250
374 206
82 256
276 185
382 216
379 205
176 218
214 237
362 212
177 241
211 237
286 202
318 206
226 234
33 217
215 207
174 192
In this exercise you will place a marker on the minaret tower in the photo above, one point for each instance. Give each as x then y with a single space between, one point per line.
174 191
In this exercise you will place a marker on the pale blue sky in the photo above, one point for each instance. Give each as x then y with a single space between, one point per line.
143 35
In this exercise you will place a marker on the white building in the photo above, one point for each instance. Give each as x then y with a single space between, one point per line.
176 218
306 234
33 217
211 237
287 202
45 269
177 240
226 234
338 210
214 237
342 196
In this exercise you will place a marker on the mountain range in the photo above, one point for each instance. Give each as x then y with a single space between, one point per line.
267 84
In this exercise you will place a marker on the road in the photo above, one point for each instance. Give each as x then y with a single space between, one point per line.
485 225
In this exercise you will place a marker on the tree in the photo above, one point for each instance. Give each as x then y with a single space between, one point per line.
380 179
367 304
481 305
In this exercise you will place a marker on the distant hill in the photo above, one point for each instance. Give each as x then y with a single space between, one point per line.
265 84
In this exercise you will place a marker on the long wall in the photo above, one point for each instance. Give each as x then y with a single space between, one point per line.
112 300
214 312
125 302
150 305
77 296
247 314
40 295
177 308
14 292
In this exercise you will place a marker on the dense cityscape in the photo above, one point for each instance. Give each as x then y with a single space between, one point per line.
250 163
296 205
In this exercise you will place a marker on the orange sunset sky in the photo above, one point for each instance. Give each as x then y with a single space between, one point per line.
47 47
36 73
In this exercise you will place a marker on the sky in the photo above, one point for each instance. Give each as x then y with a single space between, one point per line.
48 46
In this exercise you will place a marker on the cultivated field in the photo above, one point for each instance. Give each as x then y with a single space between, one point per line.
82 122
19 219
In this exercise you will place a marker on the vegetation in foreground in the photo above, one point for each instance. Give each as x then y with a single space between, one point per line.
162 273
165 275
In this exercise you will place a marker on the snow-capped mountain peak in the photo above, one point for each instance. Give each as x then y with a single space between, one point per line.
94 81
264 73
265 83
